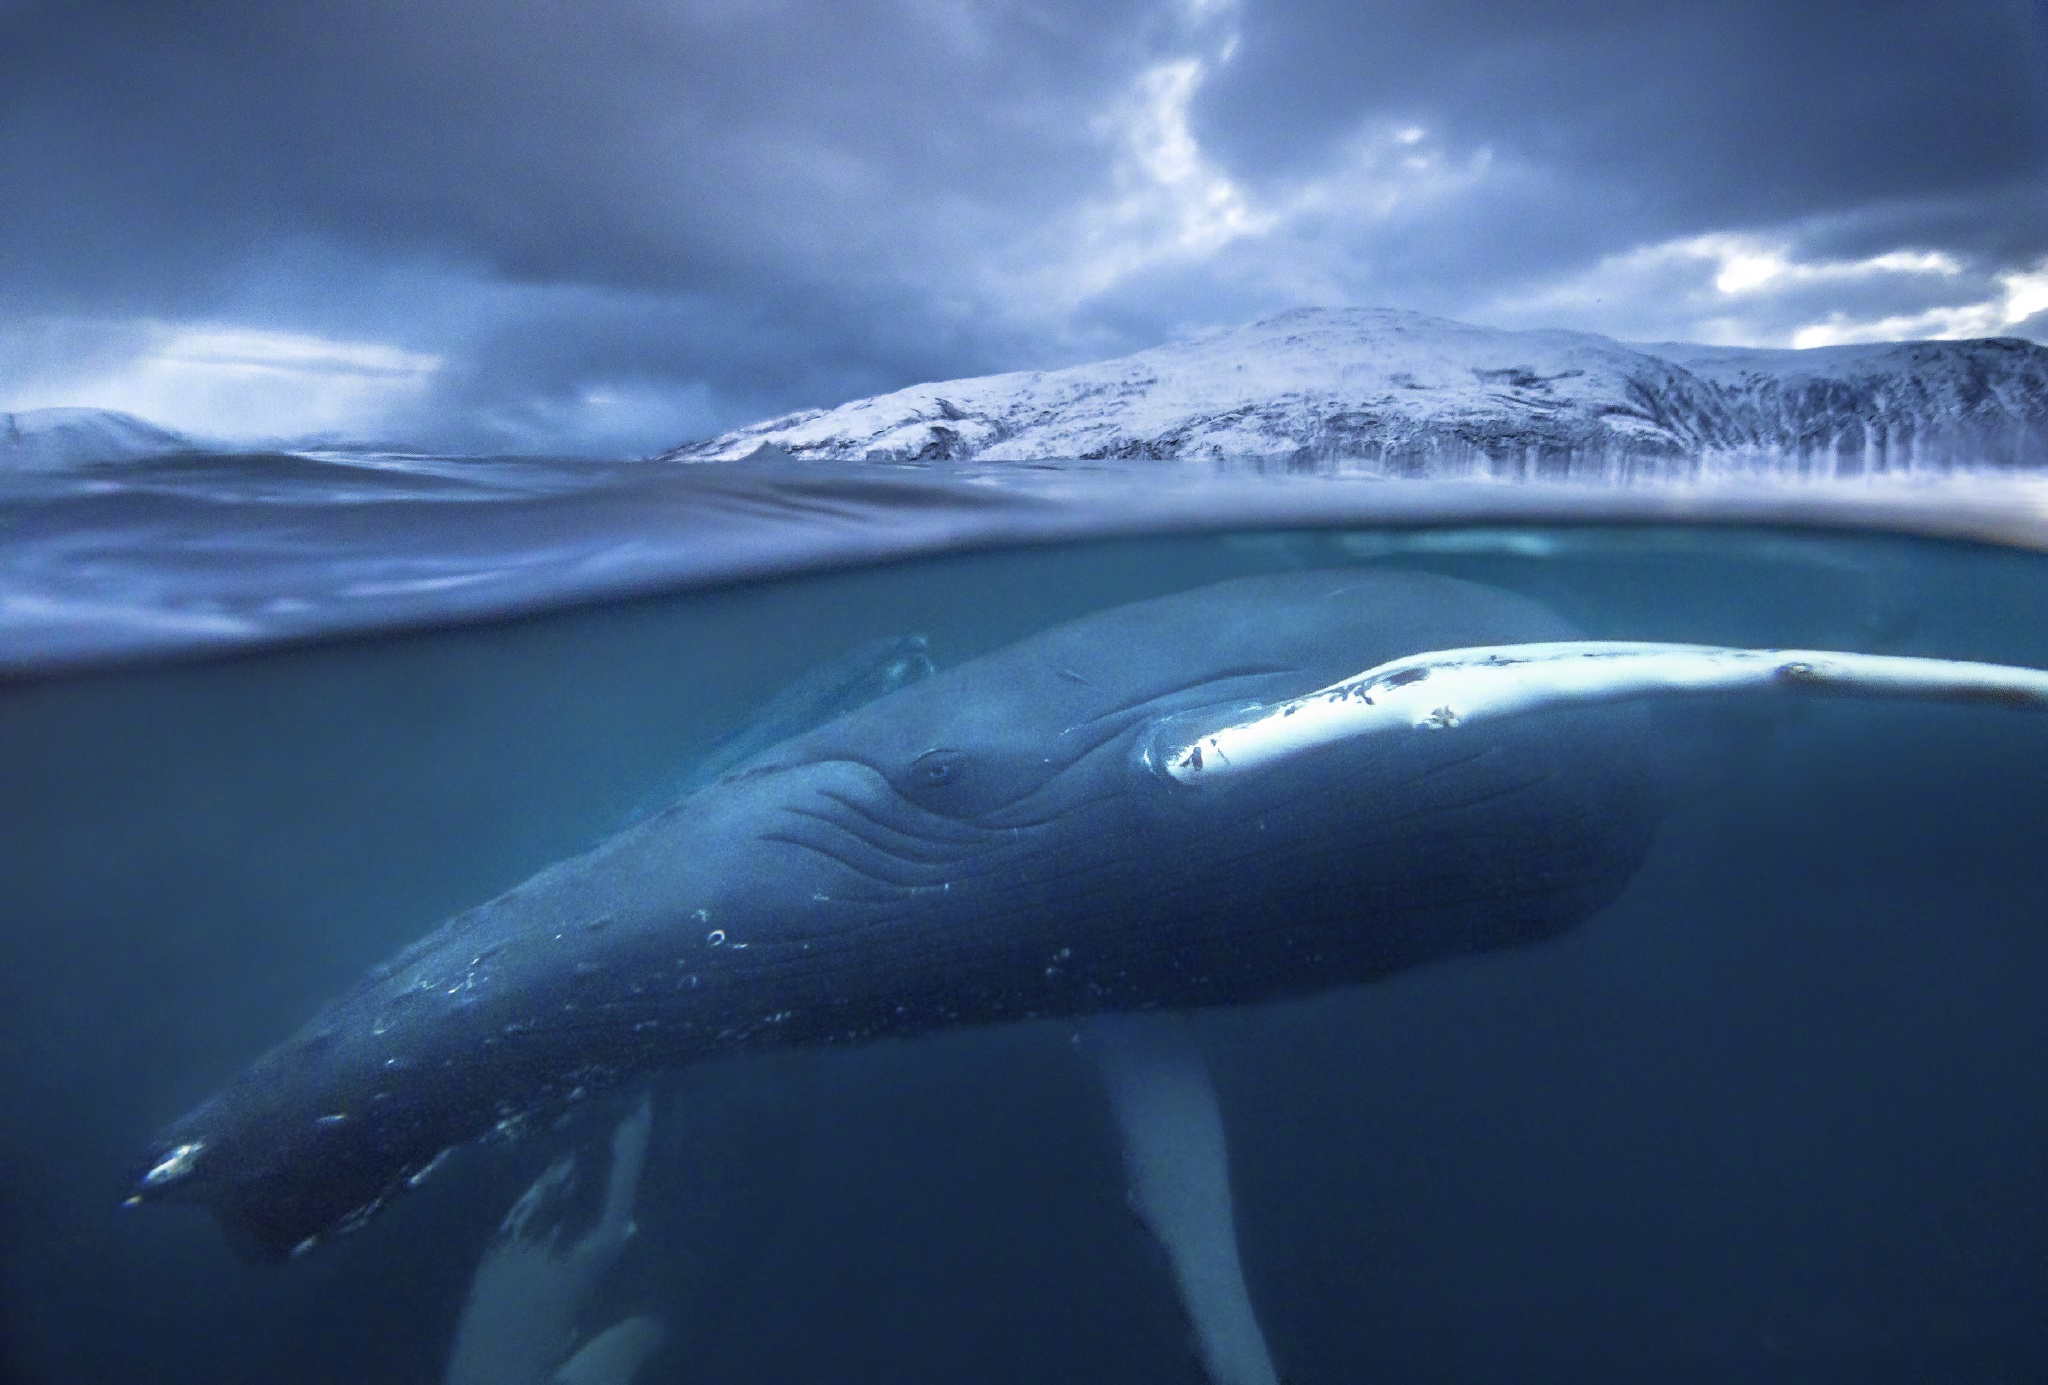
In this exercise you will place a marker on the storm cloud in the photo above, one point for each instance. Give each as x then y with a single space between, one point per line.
610 226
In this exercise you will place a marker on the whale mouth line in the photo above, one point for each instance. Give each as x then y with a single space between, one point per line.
874 833
845 859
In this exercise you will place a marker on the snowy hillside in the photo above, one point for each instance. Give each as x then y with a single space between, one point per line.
1985 400
48 439
1411 393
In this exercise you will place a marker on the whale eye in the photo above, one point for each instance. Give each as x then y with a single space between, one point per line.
937 768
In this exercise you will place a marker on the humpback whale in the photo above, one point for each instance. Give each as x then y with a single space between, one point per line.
1259 789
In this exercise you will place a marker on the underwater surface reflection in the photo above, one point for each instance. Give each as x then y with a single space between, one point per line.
1773 1114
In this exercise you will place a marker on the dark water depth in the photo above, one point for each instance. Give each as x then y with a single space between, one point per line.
1776 1115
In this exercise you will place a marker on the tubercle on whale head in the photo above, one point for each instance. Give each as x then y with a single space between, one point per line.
169 1168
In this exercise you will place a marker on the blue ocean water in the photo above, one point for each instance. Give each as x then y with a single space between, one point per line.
1773 1115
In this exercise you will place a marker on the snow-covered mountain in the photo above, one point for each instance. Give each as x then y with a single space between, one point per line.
1413 393
50 439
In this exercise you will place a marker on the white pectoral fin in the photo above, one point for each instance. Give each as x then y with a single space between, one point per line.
629 1155
614 1355
525 1295
530 1288
1445 689
1179 1171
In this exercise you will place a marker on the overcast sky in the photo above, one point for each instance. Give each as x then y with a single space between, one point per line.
612 225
